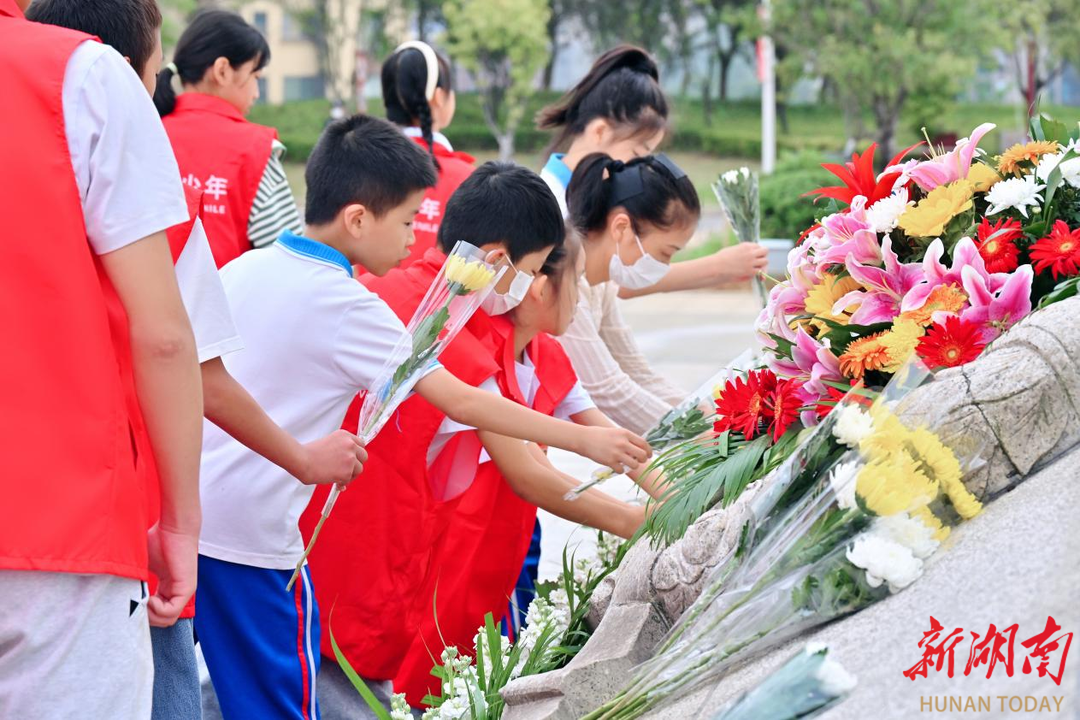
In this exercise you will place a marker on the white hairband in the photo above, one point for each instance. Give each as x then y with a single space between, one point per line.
430 59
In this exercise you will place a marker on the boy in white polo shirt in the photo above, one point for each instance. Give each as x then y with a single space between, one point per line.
313 338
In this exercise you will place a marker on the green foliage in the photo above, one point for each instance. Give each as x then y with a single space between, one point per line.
503 43
357 682
785 212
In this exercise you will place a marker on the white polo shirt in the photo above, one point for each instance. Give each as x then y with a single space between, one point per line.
313 338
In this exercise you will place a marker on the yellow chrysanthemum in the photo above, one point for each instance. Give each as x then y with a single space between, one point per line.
947 298
894 485
863 355
938 460
889 435
930 216
930 520
900 342
965 504
983 176
471 275
1009 162
823 296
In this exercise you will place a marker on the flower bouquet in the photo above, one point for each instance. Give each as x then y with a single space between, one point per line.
689 419
860 533
737 191
461 285
804 687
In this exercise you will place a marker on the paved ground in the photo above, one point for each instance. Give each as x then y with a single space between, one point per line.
688 337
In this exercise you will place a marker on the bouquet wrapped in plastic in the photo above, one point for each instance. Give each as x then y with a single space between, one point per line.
815 551
737 191
462 283
686 421
804 687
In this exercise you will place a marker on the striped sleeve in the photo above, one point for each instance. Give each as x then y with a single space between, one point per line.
274 209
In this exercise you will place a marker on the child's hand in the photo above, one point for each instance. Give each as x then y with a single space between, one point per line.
619 449
174 558
335 459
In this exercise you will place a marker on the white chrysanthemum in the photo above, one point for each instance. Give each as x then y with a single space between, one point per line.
842 481
835 680
1015 194
885 561
730 177
852 425
911 532
884 215
1070 169
813 648
745 171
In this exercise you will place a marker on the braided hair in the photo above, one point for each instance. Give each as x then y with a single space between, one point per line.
404 79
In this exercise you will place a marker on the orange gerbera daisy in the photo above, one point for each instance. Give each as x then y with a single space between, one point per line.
949 298
1009 162
863 355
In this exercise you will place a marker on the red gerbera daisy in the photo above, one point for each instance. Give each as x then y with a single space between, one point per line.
741 405
1059 251
997 244
951 343
783 405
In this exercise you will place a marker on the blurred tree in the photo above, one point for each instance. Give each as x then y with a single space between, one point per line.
729 24
1041 38
878 54
174 16
503 44
559 11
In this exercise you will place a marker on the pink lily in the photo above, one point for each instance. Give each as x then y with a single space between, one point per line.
850 234
999 310
884 288
953 165
811 361
965 255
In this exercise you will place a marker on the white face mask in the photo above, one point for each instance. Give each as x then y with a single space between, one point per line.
647 271
496 304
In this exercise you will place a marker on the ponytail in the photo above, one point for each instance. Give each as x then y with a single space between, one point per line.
405 80
653 190
622 86
211 34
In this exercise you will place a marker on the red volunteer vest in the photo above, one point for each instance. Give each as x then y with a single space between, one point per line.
454 167
476 561
72 501
224 156
371 555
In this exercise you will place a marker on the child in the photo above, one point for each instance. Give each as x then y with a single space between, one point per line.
133 28
419 97
370 560
88 168
247 201
314 337
475 563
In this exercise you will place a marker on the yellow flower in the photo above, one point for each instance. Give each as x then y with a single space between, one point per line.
1009 162
939 461
894 485
963 502
900 342
717 392
822 297
889 435
933 213
863 355
947 298
983 176
930 520
471 275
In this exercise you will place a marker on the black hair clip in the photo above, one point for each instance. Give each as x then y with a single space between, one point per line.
677 173
626 183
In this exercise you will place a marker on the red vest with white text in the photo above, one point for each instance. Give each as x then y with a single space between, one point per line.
223 155
72 500
454 167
